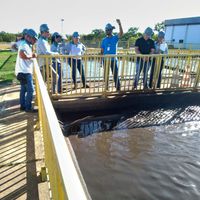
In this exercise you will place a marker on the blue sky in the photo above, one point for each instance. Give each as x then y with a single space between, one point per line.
85 15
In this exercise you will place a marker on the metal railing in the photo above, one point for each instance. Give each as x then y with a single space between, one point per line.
131 51
90 75
65 178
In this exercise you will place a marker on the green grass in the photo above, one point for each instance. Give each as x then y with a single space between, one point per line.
7 66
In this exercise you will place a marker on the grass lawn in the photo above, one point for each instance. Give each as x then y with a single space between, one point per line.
7 66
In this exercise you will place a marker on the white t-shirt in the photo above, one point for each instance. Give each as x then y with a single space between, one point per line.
24 65
75 49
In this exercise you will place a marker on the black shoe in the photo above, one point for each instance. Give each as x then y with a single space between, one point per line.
75 87
32 110
86 86
118 89
22 108
146 87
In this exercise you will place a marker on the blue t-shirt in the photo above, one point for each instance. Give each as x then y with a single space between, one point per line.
109 45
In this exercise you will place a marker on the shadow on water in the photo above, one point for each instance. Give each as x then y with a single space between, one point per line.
90 123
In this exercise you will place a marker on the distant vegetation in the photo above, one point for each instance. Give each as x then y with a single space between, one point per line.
7 66
96 35
7 37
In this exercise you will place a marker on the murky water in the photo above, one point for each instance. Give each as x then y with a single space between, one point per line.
161 160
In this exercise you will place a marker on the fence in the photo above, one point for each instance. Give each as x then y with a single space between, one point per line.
65 178
91 75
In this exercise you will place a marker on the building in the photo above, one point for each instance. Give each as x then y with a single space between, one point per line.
183 32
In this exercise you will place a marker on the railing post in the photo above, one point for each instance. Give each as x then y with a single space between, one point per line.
157 67
106 73
197 77
47 74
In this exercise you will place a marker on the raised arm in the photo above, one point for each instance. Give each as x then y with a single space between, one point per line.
120 27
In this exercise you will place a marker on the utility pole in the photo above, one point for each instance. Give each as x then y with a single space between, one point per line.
62 22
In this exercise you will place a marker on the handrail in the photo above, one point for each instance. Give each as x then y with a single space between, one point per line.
65 177
177 71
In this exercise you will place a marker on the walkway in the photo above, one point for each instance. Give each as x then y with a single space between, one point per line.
21 150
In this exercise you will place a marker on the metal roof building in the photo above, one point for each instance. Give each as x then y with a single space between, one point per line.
183 32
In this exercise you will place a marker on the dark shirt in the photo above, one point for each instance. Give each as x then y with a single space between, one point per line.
145 46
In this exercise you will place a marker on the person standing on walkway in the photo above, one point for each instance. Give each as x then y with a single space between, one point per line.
24 70
109 47
161 47
76 48
145 46
55 47
43 47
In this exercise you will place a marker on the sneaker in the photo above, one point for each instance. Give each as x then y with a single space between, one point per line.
32 110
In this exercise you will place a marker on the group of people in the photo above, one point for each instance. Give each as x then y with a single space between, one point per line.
146 46
24 64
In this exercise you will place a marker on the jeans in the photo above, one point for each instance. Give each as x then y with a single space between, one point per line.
152 72
114 67
77 64
26 92
56 76
139 66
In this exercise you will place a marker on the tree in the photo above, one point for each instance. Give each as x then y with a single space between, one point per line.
7 37
159 27
132 32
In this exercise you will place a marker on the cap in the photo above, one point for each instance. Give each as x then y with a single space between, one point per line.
148 31
76 35
161 34
32 33
109 27
44 28
56 35
24 32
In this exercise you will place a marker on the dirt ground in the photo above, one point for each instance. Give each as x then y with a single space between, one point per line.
21 150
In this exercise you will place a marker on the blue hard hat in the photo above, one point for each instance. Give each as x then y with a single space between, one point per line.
161 34
44 28
76 35
24 32
148 31
56 35
32 33
109 27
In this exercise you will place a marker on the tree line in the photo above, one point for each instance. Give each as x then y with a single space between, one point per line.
96 35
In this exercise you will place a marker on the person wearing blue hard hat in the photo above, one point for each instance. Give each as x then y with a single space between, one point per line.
43 48
19 39
44 28
24 32
76 48
24 70
145 46
56 40
76 35
161 47
109 47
